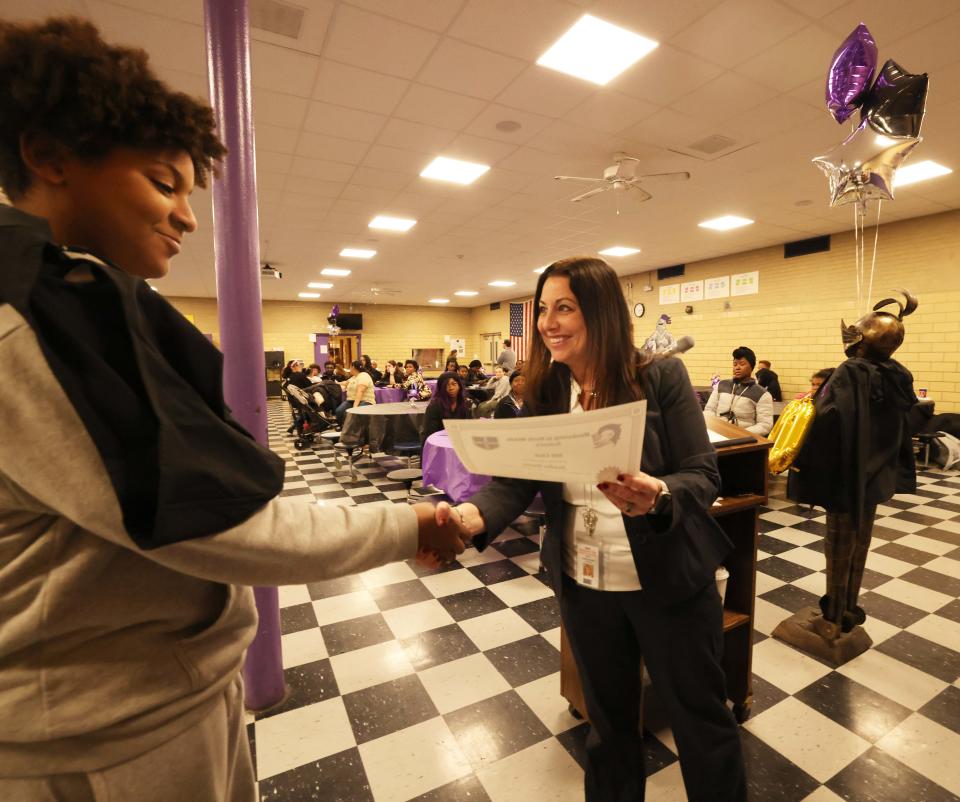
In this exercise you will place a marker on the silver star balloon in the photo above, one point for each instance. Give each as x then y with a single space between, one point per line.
863 166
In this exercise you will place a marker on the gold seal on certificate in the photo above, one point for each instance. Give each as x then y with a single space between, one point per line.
589 447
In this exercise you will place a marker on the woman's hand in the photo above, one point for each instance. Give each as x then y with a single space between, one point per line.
633 493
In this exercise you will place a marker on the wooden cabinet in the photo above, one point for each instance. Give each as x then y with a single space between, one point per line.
743 476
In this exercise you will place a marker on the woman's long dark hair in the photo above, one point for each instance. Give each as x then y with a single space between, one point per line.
442 398
614 357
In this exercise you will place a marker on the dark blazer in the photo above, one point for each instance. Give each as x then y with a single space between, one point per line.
676 553
506 408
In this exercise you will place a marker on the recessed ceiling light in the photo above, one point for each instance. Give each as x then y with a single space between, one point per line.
920 171
439 300
466 293
596 51
502 283
508 126
334 271
619 250
308 294
459 172
392 223
320 285
726 222
358 253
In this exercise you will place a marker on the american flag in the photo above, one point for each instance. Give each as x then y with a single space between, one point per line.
521 327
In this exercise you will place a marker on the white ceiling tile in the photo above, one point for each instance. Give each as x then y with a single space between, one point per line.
398 159
417 202
793 62
313 29
723 97
668 128
382 179
368 194
665 75
815 8
183 10
282 70
522 29
270 162
170 42
506 179
325 118
377 43
610 112
278 108
425 104
657 20
344 85
470 70
928 49
478 149
321 169
888 20
414 136
545 92
575 141
274 138
811 93
770 118
331 148
736 30
485 124
191 83
433 14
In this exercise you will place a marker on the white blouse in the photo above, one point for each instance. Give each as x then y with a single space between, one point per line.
617 569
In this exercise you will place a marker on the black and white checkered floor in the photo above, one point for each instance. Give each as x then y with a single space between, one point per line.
444 685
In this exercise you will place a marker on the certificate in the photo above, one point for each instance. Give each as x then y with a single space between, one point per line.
590 447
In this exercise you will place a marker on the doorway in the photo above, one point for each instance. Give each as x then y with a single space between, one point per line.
490 347
344 348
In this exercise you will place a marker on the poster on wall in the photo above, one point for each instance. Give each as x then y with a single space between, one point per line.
716 287
459 344
745 283
691 291
669 294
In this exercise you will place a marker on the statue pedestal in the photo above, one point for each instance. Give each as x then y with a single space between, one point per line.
808 631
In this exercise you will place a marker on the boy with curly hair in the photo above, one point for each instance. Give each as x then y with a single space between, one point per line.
135 514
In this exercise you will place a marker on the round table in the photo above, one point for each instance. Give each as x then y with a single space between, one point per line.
442 468
381 425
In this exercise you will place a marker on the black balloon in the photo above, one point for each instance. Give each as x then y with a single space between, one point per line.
896 101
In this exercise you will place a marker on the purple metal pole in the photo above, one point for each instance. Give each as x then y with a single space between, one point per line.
237 252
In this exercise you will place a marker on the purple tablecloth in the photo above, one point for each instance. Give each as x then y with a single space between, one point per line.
389 395
442 468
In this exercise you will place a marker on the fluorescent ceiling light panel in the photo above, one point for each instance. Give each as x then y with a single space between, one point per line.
392 223
320 285
308 294
459 172
466 293
334 271
439 300
619 250
596 51
502 283
358 253
921 171
725 223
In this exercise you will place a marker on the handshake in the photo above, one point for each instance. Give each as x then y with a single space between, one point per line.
443 533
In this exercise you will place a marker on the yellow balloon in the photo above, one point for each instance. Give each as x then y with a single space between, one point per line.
789 432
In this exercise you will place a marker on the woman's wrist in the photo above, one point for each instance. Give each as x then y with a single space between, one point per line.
470 518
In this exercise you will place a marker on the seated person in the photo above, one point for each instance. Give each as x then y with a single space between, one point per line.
451 366
368 366
449 402
392 374
740 400
817 380
769 380
414 381
314 373
464 372
477 376
500 383
511 404
359 390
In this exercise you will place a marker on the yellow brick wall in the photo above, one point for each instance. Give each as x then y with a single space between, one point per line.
389 332
794 321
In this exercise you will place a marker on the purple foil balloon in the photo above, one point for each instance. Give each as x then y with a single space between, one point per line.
850 73
335 310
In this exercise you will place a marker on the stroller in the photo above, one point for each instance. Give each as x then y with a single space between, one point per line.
308 421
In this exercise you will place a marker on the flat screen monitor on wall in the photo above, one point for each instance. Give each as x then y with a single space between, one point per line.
350 321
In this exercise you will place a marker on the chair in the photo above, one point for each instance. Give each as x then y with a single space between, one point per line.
923 441
409 474
341 449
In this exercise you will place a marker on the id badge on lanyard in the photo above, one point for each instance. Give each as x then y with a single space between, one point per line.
589 557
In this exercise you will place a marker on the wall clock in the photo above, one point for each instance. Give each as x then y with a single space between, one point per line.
639 309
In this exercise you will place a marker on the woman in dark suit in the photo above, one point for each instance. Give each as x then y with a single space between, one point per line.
652 592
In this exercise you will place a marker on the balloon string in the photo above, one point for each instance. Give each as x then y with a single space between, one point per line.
873 263
856 252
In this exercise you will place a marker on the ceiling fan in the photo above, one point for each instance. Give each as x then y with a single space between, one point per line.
621 176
